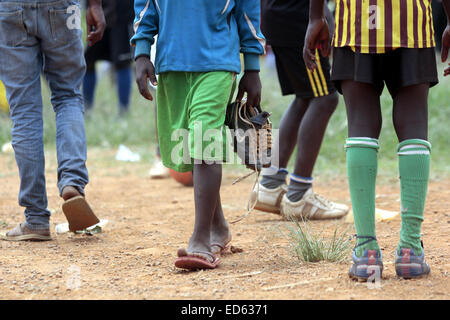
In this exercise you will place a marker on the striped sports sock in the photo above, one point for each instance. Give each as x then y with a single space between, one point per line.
414 168
298 186
273 177
362 166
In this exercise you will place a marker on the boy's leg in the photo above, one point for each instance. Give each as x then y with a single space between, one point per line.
411 124
285 143
300 200
20 68
220 231
207 180
272 186
364 125
309 140
410 74
64 69
193 103
207 113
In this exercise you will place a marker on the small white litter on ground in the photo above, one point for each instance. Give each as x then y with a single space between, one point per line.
96 228
125 154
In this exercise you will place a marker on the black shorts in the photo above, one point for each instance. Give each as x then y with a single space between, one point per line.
296 79
397 68
114 47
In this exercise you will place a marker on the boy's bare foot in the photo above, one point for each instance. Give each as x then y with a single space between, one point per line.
196 260
220 239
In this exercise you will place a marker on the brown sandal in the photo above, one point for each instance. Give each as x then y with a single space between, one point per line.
79 214
196 260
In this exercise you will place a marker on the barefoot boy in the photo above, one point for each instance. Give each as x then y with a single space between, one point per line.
197 57
375 43
43 36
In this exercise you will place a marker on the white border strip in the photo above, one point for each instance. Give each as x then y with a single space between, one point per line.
157 5
141 16
226 7
414 152
298 179
412 146
261 41
369 143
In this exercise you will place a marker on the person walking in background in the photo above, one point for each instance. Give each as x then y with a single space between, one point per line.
304 122
44 36
115 48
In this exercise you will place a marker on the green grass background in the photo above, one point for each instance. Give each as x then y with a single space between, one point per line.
105 129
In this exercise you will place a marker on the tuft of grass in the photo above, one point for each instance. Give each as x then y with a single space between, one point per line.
310 246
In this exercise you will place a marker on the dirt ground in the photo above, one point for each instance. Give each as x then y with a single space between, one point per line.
150 219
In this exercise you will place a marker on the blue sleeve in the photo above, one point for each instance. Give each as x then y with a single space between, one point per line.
248 16
145 26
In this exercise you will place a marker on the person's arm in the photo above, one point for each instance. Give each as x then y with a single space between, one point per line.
95 21
248 14
146 26
446 37
317 34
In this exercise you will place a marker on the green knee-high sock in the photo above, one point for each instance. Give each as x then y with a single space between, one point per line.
362 164
414 167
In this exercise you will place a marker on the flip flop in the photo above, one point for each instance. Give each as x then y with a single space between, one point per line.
196 260
79 214
217 248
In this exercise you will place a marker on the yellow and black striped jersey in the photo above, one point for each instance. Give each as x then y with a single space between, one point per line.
377 26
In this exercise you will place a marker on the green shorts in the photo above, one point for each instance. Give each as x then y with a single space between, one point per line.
191 115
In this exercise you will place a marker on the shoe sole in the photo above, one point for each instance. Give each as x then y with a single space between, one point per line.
406 277
79 214
356 278
267 208
414 277
27 237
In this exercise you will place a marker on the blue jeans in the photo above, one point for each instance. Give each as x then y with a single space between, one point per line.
35 38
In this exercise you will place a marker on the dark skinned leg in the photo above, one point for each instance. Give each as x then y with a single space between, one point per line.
410 114
363 109
207 180
286 142
288 129
410 118
311 132
220 231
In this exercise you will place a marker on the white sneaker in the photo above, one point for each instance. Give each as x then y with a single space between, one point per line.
313 207
159 171
268 200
